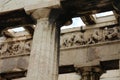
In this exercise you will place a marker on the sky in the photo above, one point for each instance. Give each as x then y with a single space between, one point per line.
77 22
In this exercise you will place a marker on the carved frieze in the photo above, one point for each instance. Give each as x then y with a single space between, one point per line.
72 39
15 48
90 36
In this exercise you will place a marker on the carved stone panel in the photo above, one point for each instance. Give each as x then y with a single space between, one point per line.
15 48
95 36
90 37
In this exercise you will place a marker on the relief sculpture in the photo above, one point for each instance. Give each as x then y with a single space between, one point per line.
112 33
93 36
79 39
90 37
27 46
15 48
3 49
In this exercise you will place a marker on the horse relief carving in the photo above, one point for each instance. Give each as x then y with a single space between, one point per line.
15 48
90 37
112 33
22 47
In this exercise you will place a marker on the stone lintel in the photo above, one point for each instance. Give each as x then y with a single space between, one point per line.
42 4
28 5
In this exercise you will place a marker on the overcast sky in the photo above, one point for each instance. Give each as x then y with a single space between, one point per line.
77 22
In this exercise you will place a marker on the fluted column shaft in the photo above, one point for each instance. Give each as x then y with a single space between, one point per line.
43 63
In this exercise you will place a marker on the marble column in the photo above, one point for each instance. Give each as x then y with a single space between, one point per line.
90 73
43 63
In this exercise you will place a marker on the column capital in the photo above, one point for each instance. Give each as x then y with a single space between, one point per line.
52 14
41 13
90 68
90 72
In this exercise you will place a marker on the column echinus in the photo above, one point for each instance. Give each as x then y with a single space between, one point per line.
43 63
90 73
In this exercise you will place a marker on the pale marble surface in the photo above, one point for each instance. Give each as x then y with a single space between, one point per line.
43 64
7 5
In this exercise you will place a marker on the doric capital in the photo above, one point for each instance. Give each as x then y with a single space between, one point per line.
41 13
90 69
90 73
52 15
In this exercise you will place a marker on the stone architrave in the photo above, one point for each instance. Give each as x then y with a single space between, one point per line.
43 63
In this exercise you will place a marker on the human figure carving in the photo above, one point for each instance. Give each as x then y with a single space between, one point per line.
3 48
97 37
28 46
91 40
105 33
15 48
65 42
79 39
71 40
111 34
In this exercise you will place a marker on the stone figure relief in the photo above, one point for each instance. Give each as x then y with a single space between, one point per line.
97 36
16 47
8 49
27 46
71 40
112 33
79 39
90 39
23 47
3 48
93 37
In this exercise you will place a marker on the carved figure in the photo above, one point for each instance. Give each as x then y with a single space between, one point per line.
3 48
15 48
97 37
27 46
65 42
111 33
115 33
105 32
91 40
79 39
71 40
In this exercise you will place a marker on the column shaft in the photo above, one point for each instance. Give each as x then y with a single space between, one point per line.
43 63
